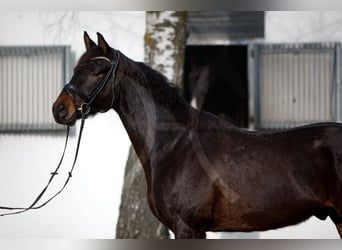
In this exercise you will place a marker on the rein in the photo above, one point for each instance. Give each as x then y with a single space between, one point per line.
84 109
53 174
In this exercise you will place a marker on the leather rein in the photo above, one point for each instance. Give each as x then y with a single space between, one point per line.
84 108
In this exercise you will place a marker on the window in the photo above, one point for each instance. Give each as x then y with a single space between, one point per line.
296 84
30 80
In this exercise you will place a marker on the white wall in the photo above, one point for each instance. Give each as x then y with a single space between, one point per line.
88 208
303 26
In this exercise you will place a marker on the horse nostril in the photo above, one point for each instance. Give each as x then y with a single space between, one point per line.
62 110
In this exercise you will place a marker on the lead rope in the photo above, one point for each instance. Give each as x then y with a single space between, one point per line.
53 174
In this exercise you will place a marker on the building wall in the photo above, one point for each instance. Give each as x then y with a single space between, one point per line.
303 26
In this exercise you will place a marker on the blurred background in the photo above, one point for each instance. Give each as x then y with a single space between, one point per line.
258 70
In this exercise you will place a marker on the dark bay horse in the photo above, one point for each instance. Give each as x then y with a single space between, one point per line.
204 174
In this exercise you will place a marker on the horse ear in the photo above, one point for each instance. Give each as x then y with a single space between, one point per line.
102 43
87 41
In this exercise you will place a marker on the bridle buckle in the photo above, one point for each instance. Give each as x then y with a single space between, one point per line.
84 108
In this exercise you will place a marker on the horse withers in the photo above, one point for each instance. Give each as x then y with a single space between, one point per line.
203 173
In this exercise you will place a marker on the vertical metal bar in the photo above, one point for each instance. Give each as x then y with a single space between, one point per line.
310 84
300 69
292 84
287 86
331 91
322 85
11 95
257 92
251 64
316 98
320 95
313 103
265 89
318 83
271 87
30 110
20 101
260 85
34 91
44 87
313 100
43 96
55 71
278 75
326 85
7 95
272 67
15 98
2 91
48 87
52 71
39 90
268 88
278 71
305 83
26 89
337 77
296 73
49 77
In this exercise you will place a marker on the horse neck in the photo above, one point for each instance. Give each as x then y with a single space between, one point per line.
146 105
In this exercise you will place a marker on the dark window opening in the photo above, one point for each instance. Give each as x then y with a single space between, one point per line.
215 80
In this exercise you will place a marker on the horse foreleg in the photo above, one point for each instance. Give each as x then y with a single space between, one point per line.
183 231
185 234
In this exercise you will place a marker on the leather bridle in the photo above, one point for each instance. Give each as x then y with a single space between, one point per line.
88 99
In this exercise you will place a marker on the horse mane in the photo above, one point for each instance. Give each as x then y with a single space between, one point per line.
164 92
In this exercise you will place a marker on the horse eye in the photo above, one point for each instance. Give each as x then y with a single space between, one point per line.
97 72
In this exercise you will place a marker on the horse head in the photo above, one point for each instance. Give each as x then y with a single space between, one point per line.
91 88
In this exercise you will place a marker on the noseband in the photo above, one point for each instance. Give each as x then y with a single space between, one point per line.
88 99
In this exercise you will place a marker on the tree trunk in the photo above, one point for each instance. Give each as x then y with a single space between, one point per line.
165 41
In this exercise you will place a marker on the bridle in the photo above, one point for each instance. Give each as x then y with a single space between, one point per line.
84 108
88 99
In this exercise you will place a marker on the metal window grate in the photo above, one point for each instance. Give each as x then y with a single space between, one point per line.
296 84
30 80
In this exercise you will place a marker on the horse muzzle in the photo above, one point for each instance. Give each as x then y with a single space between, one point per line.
64 111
